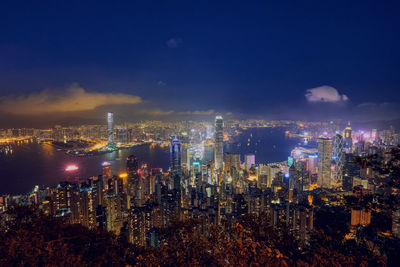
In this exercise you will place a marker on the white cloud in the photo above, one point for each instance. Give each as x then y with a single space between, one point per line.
326 94
74 98
173 42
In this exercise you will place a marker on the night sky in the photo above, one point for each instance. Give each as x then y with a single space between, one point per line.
71 61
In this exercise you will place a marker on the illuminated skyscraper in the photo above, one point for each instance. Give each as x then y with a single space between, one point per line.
338 157
132 165
132 168
175 162
348 141
87 197
219 142
110 128
114 212
106 171
232 160
350 170
249 160
324 162
175 155
312 163
264 180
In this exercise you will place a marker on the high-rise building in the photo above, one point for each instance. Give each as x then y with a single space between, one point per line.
110 128
65 200
87 206
132 165
348 141
264 180
324 162
249 160
219 142
122 135
106 171
350 170
231 160
175 155
273 170
176 163
114 212
132 168
312 164
338 153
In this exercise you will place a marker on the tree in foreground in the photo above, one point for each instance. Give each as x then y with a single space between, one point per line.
30 238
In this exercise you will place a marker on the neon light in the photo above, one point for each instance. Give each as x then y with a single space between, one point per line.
71 168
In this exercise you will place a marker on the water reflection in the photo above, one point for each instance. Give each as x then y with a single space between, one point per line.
41 164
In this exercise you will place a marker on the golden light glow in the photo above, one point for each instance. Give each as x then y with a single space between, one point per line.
313 186
310 199
123 175
15 139
252 178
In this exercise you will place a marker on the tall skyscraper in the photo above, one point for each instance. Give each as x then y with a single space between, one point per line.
132 168
232 160
219 142
264 180
175 163
338 158
348 141
249 160
324 162
132 165
350 170
106 172
110 128
175 155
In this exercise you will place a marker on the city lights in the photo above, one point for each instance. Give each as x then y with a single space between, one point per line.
246 133
71 168
123 175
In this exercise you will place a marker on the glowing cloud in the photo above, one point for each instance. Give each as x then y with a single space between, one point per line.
325 94
74 98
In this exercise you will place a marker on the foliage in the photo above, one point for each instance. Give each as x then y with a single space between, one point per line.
31 238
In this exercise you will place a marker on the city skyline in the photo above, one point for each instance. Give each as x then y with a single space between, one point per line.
193 133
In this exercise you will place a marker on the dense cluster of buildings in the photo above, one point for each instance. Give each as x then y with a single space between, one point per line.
138 202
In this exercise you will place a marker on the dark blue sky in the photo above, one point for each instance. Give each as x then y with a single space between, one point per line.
253 58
